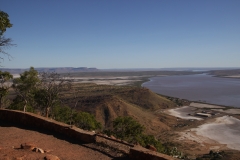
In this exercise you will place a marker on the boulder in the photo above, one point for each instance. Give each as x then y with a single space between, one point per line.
51 157
28 146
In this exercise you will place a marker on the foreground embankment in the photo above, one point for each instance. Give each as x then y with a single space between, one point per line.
41 123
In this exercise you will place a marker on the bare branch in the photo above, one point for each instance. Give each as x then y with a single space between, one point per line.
5 43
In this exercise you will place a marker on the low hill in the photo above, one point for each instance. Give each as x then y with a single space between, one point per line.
109 102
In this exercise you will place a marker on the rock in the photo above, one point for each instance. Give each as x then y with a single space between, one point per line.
150 147
51 157
28 146
36 149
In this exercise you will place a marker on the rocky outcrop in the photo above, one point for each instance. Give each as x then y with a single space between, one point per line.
27 146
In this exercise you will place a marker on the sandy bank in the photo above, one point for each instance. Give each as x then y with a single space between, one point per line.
202 105
233 76
230 111
183 112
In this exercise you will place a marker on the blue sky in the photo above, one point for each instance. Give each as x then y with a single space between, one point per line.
123 33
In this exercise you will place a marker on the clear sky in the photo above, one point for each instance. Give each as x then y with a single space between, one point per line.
123 33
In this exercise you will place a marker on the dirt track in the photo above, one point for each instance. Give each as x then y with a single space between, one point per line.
12 137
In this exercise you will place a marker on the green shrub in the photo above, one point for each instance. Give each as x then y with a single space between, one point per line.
127 128
62 113
86 121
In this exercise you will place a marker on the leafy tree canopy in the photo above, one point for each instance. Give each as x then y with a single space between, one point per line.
4 22
27 80
26 85
5 43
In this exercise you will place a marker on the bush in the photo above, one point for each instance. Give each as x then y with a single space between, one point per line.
18 104
151 140
62 114
86 121
127 128
82 120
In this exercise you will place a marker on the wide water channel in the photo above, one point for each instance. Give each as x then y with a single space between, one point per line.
199 87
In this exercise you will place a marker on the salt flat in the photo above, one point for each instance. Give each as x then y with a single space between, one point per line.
183 112
225 130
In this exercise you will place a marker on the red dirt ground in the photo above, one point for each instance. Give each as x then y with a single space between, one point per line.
11 137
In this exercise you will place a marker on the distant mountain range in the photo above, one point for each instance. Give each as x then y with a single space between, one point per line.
85 69
56 69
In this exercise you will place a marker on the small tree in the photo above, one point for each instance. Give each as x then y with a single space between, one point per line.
48 94
4 87
26 85
73 98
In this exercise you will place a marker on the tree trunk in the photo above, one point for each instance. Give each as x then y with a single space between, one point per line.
25 106
47 111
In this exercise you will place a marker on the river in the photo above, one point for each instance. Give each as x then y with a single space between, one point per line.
198 87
